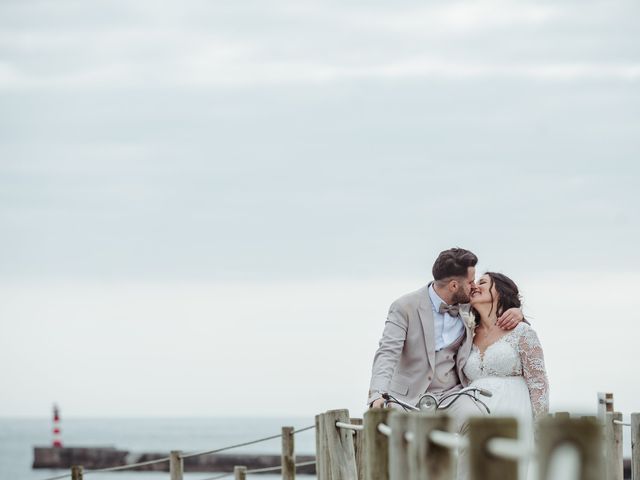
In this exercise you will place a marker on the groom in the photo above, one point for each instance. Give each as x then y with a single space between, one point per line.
427 339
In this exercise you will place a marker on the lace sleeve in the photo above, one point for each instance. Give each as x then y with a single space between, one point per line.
534 372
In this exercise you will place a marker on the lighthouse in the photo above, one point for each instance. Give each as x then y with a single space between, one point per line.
57 441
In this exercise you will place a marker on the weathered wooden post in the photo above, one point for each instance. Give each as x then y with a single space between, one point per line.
376 445
484 466
398 445
342 457
635 446
605 404
323 467
240 472
176 465
427 458
614 468
562 436
288 457
358 446
76 472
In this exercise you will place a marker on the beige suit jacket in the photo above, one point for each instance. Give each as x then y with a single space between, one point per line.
405 360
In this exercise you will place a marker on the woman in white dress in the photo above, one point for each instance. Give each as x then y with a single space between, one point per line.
509 364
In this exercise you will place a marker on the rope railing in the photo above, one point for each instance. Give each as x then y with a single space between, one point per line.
509 448
448 440
252 442
620 422
387 440
275 468
349 426
182 456
115 469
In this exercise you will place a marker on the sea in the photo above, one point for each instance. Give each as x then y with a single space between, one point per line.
18 436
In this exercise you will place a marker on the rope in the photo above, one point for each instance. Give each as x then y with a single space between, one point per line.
166 459
126 467
58 477
349 426
261 470
620 422
509 448
272 437
114 469
384 429
303 429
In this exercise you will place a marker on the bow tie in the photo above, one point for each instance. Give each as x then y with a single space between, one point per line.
452 310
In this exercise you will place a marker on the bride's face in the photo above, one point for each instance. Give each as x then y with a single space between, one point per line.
483 291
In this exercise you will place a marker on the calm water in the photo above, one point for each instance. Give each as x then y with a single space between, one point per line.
18 436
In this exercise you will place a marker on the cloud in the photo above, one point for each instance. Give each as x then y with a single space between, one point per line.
210 46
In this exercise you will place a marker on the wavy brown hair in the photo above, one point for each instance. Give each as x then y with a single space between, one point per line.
508 294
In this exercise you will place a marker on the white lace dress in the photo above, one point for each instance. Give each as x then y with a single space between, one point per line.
512 368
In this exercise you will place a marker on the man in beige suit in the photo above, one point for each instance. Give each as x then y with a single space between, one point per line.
428 337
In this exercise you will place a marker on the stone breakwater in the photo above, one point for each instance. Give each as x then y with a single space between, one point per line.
92 458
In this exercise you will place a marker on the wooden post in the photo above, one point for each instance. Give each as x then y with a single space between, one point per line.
376 445
76 472
484 466
605 404
239 472
635 446
288 457
398 445
584 434
358 446
176 466
426 459
563 415
614 468
342 457
323 467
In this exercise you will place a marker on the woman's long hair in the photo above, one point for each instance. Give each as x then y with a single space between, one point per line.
508 295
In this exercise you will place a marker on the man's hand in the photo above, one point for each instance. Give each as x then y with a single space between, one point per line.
509 319
379 403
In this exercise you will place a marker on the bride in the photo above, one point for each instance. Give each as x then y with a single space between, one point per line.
509 364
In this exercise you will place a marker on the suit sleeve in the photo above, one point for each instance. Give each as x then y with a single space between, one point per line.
388 353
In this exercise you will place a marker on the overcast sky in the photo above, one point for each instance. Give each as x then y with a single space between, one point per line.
204 204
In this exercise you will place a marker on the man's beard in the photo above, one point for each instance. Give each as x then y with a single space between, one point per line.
460 296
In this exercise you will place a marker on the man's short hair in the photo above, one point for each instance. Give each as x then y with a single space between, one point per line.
453 263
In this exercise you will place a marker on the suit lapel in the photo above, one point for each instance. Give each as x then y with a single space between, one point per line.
425 310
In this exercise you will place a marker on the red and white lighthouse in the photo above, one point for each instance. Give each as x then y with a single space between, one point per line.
57 441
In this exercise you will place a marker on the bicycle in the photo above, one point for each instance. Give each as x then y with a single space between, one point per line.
429 402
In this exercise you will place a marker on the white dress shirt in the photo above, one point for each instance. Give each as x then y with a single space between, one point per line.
447 328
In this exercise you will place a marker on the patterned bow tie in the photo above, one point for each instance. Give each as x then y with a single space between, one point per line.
452 310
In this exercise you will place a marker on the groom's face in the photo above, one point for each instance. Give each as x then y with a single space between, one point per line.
465 287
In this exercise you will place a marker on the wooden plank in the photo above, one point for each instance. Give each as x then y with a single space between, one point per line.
426 459
358 446
288 459
614 467
398 445
482 465
76 472
240 472
323 467
582 433
176 465
635 446
342 457
376 445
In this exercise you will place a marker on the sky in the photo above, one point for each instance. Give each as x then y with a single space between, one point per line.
206 208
